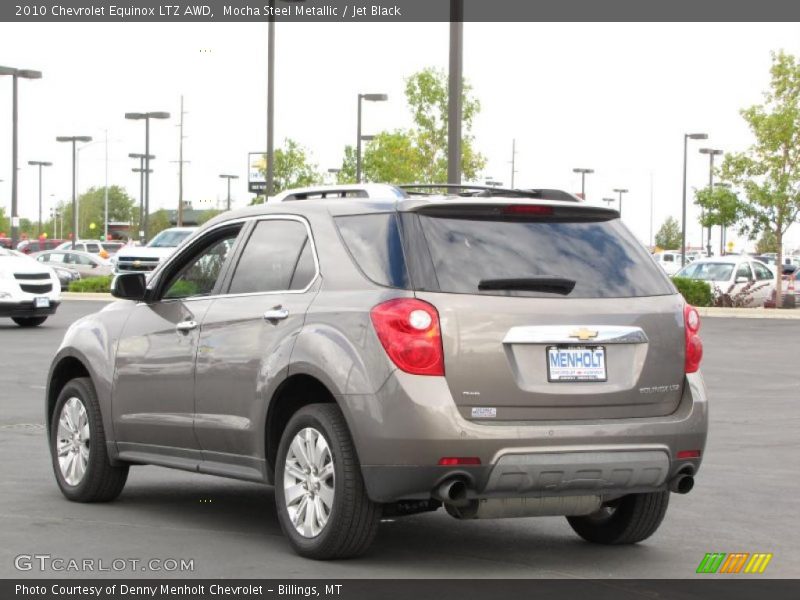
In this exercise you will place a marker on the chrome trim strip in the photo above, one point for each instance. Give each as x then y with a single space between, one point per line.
564 334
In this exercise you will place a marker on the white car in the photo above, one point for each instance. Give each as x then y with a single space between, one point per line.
670 261
29 292
144 259
741 278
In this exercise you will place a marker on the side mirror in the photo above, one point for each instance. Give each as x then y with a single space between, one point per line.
129 286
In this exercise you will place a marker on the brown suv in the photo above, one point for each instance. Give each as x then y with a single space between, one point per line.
374 350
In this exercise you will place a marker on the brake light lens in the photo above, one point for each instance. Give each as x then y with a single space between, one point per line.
454 461
694 345
685 454
409 331
528 209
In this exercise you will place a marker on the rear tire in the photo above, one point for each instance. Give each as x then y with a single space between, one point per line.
93 479
629 520
346 528
29 321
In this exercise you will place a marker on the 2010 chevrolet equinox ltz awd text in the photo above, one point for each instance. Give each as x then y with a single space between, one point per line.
372 350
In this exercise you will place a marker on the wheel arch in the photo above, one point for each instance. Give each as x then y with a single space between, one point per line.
65 368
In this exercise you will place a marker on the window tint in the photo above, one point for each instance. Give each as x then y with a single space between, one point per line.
199 277
762 272
375 245
277 257
743 270
708 271
668 258
600 256
93 248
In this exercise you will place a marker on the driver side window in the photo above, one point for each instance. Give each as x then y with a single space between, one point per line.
200 275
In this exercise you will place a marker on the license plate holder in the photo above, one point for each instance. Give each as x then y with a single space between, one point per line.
42 302
568 363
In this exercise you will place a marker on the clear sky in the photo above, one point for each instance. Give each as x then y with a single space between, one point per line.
613 97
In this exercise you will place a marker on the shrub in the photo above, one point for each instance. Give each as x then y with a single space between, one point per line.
696 293
92 284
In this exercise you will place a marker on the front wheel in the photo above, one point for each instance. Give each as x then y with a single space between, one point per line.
628 520
78 446
29 321
322 504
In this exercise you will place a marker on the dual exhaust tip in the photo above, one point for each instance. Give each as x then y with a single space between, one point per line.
454 491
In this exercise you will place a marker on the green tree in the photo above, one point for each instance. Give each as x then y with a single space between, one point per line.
767 243
158 222
5 223
722 208
209 214
769 171
419 154
668 236
292 169
91 210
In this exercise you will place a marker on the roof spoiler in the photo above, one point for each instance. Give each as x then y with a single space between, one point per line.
486 191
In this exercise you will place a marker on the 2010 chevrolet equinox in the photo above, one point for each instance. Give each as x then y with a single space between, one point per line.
371 350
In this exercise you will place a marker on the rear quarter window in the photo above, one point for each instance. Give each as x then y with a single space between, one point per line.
374 242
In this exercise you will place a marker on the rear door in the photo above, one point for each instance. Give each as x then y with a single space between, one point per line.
246 340
556 313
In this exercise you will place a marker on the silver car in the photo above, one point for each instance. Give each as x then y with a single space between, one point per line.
498 353
84 263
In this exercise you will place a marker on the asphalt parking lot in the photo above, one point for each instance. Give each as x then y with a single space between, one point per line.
745 498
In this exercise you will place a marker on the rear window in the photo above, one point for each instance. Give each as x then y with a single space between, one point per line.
601 257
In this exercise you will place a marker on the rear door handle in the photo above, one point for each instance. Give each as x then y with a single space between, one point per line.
186 326
276 314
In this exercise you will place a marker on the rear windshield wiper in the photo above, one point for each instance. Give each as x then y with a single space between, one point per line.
546 283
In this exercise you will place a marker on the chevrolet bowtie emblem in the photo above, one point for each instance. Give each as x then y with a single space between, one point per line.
137 263
583 334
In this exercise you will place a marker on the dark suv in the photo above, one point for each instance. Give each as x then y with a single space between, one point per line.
372 350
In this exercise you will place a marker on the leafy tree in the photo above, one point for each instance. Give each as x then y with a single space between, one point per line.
769 171
91 209
767 243
668 236
209 214
722 208
158 222
419 154
292 168
5 223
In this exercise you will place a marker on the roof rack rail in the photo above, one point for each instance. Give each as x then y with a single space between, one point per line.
487 191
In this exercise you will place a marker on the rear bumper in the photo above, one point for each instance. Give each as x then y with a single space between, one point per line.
26 309
400 441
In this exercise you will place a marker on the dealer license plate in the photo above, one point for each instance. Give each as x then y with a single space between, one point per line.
576 363
42 302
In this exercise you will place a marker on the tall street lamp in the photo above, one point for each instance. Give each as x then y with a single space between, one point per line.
368 98
584 173
229 177
146 117
686 138
620 191
140 171
15 75
40 164
609 201
712 152
455 91
74 139
723 234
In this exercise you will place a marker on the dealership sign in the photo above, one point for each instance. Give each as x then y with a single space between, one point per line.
256 172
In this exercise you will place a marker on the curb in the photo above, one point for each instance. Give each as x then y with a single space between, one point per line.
86 296
748 313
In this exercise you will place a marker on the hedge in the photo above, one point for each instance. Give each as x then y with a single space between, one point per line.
696 293
92 284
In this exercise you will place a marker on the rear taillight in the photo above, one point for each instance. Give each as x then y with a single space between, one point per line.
409 332
694 346
528 209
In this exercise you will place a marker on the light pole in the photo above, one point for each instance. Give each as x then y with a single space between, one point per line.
723 234
40 164
146 117
584 173
140 171
334 172
609 201
359 137
74 139
620 191
229 177
712 152
686 138
454 91
15 75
